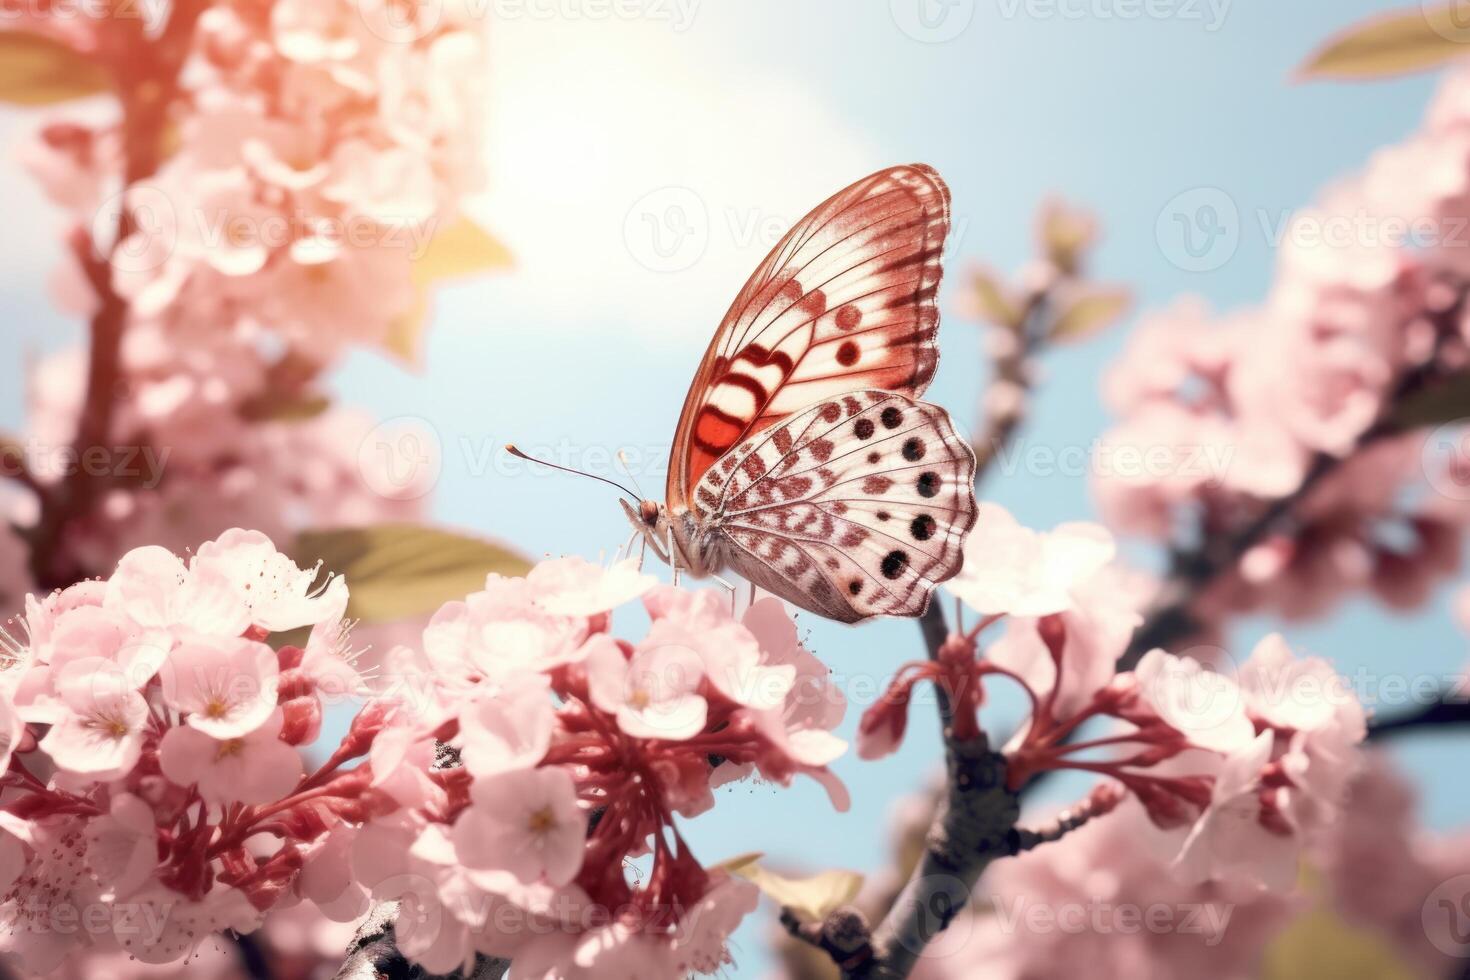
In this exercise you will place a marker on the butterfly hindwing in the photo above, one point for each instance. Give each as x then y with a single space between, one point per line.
856 506
845 300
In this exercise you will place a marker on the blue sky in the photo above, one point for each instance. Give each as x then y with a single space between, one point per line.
744 116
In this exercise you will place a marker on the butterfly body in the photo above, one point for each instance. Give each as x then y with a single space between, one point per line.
803 459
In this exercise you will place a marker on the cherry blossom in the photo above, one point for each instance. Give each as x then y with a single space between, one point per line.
256 767
1236 773
626 730
226 687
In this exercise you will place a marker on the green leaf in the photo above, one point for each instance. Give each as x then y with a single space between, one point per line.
1439 404
395 571
1392 44
36 70
810 898
1089 311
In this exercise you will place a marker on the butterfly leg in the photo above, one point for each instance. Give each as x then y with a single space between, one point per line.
627 548
732 589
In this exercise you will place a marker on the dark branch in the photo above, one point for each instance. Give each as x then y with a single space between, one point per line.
1450 710
373 954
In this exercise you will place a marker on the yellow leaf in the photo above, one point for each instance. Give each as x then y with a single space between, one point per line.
989 300
810 898
395 571
461 249
36 70
457 251
1066 233
1090 311
1320 944
1392 44
405 339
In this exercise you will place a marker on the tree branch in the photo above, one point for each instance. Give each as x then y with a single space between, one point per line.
1453 708
146 74
1170 618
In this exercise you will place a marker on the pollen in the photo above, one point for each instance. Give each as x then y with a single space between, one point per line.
541 821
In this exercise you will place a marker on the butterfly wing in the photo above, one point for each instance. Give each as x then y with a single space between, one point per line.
845 300
856 506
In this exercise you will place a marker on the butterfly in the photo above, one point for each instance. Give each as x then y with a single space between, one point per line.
803 459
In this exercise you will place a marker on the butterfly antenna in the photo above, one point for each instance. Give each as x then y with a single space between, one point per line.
510 448
623 461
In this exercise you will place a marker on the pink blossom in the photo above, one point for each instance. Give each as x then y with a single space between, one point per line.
278 594
725 650
1204 705
1013 569
100 732
508 729
528 823
653 693
122 845
573 586
252 767
1230 840
153 587
157 926
1089 896
226 687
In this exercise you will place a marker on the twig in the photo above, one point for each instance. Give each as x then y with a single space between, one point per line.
1170 617
1453 708
973 825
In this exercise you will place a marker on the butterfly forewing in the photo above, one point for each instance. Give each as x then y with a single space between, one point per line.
846 300
853 507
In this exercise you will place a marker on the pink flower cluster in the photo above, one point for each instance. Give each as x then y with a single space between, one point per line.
1237 772
511 771
1220 416
154 787
319 144
1103 901
267 215
1386 873
576 752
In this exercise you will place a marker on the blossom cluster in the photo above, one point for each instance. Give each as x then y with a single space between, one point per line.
267 215
155 789
503 780
1236 773
575 752
1234 412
